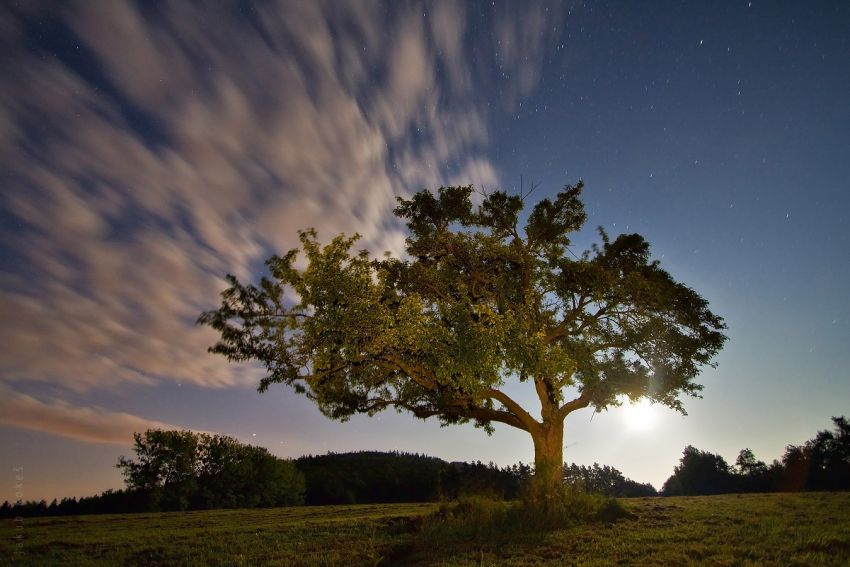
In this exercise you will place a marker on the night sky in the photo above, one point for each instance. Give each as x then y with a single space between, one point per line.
148 149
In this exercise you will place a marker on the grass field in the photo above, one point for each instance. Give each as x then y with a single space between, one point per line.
775 529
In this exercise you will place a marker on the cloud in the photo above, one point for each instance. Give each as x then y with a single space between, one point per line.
522 34
448 24
88 424
164 147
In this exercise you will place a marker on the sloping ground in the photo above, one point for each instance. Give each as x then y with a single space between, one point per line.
775 529
313 535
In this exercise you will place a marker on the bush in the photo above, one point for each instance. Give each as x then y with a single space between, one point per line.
567 506
485 518
480 510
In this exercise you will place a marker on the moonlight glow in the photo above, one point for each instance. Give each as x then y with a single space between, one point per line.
641 416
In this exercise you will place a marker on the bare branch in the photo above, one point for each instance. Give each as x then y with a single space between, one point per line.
415 374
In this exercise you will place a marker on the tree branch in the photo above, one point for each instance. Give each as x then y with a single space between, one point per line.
485 414
580 402
514 408
415 374
561 329
544 395
470 412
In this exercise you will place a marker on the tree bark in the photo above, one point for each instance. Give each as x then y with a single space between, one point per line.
549 456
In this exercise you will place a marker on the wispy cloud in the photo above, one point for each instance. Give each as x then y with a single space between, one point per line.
178 142
88 424
522 33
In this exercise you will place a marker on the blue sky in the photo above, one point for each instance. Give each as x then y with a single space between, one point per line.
148 149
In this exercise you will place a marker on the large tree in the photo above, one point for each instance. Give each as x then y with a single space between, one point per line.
478 301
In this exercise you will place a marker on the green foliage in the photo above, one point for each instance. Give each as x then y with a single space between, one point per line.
478 301
178 470
604 480
166 468
541 508
476 511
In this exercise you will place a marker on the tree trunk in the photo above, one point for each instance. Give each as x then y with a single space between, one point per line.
549 457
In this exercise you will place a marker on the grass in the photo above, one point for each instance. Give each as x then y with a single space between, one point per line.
771 529
330 535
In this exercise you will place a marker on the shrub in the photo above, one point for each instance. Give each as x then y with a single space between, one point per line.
539 509
484 518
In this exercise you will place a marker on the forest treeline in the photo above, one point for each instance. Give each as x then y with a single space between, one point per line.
370 477
183 470
162 478
822 463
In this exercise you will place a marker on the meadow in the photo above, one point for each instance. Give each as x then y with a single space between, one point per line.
753 529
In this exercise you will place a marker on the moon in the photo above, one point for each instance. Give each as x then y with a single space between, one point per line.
640 416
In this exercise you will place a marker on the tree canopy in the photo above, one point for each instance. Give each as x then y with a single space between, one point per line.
177 470
479 300
699 472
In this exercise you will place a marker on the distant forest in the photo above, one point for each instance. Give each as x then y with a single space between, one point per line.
362 477
204 472
822 463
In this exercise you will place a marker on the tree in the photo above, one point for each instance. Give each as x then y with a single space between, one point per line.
234 475
605 480
746 464
370 476
822 463
269 481
751 475
184 469
166 469
698 473
829 458
479 301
